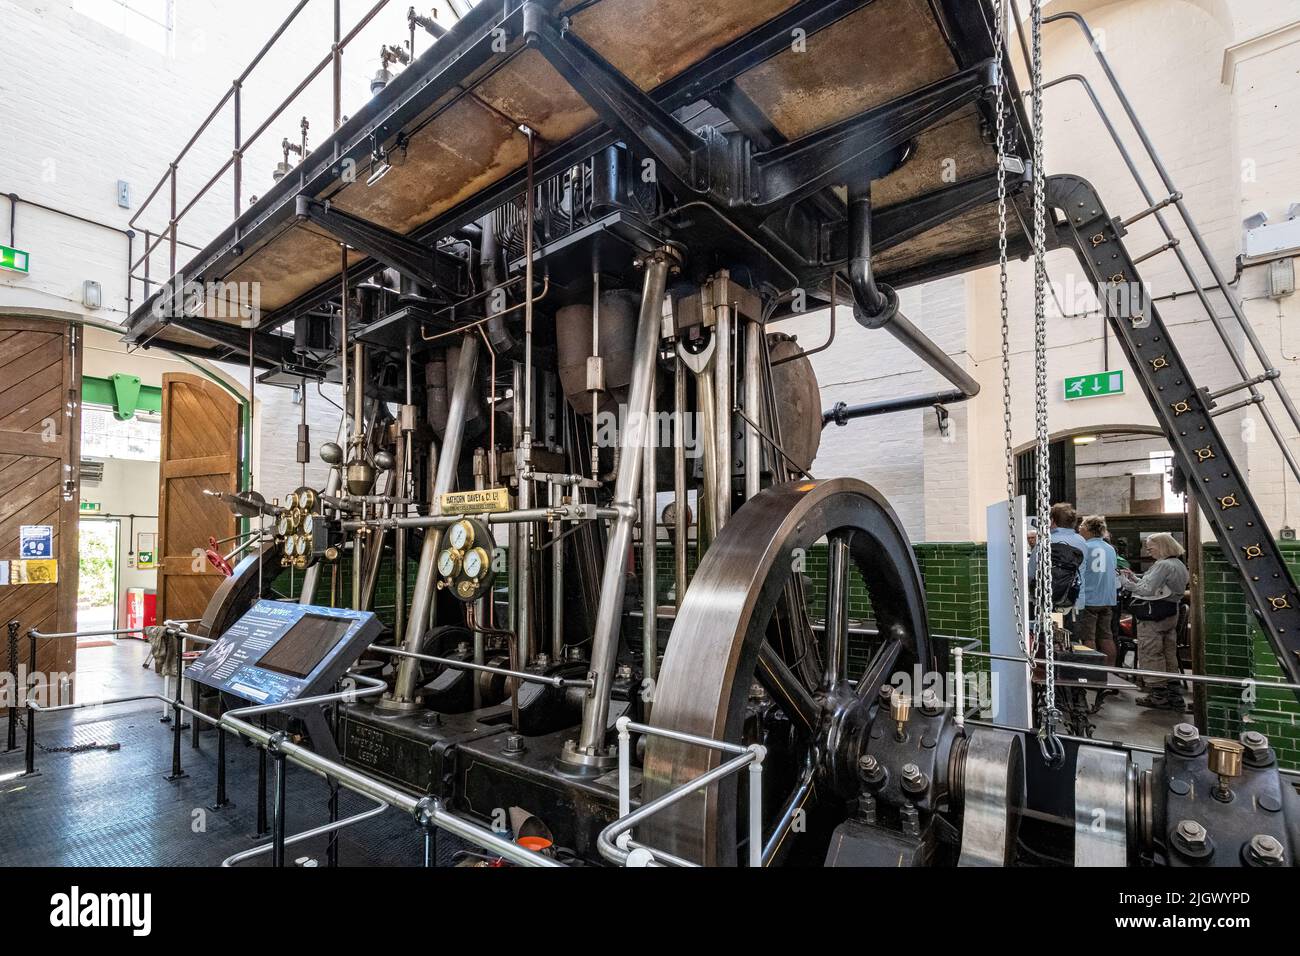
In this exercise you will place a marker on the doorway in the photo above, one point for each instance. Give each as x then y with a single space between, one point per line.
97 583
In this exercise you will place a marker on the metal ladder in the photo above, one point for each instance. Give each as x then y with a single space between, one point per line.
1185 412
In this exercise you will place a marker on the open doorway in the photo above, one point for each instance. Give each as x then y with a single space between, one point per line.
1129 478
98 580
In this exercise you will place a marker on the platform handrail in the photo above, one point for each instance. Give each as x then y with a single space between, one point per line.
615 843
233 97
237 858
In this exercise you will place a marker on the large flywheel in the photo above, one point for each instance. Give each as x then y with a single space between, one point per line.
737 635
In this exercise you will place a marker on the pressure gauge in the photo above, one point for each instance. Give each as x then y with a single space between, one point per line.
284 525
288 547
461 535
300 545
308 522
306 499
475 563
449 563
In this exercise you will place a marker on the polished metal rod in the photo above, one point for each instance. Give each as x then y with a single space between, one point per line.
609 611
448 458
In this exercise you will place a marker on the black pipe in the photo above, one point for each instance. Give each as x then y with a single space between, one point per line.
842 413
875 305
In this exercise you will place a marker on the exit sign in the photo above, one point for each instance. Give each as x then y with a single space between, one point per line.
15 260
1094 386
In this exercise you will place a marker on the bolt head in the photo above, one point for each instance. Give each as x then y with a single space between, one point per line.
1186 733
1192 832
1256 745
868 763
1267 848
912 773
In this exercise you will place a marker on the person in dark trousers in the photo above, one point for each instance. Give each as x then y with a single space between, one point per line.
1156 595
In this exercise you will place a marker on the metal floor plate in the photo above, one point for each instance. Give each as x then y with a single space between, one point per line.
100 808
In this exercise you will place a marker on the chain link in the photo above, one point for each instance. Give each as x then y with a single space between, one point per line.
1043 589
999 51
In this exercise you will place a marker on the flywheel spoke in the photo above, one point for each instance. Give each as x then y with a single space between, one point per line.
795 699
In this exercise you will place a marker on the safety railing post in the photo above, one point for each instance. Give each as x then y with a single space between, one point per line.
223 801
756 806
28 687
12 739
277 816
262 829
194 722
177 721
238 169
171 222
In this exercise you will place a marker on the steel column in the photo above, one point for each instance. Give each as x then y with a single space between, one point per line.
609 612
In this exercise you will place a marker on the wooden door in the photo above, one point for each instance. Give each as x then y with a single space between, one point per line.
200 452
40 440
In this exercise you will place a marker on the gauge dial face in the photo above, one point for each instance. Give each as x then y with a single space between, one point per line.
308 522
300 545
288 547
306 499
461 535
448 563
475 563
283 525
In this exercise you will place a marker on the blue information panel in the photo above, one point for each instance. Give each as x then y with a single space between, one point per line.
278 652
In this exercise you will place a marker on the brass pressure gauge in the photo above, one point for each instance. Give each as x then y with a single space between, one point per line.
461 535
467 571
476 563
449 563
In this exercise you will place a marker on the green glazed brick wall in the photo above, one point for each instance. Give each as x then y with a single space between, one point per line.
1235 647
955 575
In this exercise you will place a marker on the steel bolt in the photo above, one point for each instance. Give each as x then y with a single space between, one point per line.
930 702
1267 849
514 744
1186 733
1192 833
1257 746
868 764
913 779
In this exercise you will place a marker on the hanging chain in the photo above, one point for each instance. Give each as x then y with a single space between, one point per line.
999 49
1044 604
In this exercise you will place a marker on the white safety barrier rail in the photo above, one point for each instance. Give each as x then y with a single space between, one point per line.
615 841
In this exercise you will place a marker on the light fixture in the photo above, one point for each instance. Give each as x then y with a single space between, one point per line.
1255 221
1084 439
92 296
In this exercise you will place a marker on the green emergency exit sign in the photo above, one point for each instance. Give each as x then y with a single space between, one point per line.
15 260
1094 386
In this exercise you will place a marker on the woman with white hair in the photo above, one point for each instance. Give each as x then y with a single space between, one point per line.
1156 595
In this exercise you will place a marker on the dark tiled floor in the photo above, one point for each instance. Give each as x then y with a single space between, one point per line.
99 808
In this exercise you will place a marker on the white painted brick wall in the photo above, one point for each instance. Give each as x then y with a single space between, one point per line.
82 106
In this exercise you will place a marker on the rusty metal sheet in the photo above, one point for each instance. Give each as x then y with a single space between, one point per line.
882 51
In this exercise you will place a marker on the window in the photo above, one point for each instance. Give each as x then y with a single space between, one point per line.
148 22
103 436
